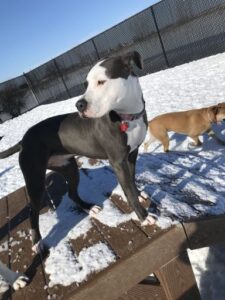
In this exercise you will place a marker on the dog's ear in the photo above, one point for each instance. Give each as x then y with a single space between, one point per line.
221 105
133 57
215 109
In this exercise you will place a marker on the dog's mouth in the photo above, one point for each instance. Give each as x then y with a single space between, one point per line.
221 120
87 114
83 115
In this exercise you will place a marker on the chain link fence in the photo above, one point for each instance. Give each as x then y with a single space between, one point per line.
167 34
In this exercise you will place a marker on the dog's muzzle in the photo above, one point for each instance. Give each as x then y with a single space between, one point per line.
81 105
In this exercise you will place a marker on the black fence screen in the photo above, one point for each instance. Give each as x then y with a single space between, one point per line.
167 34
191 29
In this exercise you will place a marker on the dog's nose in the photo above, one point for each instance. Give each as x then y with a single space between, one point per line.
81 105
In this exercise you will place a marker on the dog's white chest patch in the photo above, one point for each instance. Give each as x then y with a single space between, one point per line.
136 133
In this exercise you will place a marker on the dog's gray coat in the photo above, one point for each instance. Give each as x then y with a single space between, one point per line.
112 90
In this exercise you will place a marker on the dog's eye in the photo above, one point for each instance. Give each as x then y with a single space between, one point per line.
101 82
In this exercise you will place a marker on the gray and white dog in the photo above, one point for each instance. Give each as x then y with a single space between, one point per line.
16 280
111 124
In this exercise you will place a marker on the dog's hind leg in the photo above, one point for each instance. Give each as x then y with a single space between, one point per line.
66 166
160 133
33 166
165 141
196 140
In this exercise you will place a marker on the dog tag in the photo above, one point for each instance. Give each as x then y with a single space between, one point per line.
124 126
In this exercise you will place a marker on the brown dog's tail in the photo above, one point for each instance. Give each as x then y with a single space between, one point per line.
10 151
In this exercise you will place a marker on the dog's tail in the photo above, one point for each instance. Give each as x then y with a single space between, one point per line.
10 151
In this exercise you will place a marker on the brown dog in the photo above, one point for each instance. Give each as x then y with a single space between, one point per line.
191 123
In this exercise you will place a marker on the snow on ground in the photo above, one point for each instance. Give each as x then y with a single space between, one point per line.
184 183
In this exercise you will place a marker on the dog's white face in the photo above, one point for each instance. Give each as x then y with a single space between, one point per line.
112 86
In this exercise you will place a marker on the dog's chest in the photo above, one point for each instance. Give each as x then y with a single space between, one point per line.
136 132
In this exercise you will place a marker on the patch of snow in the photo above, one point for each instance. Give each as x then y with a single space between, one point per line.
65 267
111 215
4 246
209 269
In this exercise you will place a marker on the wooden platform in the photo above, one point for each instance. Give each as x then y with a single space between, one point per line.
139 251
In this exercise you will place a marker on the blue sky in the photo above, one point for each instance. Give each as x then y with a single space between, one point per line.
35 31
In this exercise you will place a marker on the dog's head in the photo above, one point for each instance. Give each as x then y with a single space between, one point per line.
219 112
112 85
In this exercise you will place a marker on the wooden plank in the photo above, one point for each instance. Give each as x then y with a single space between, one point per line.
177 279
124 239
60 292
4 240
4 231
21 253
133 268
3 216
18 210
144 292
84 241
120 203
149 230
206 232
56 188
90 238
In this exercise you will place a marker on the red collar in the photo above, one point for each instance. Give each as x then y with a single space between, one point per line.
124 126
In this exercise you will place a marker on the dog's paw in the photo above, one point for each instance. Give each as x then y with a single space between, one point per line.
144 199
94 211
20 282
148 221
194 144
38 247
4 286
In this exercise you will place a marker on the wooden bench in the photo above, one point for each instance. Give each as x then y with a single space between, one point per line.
140 251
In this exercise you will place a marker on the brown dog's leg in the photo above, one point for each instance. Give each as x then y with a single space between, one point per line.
165 143
196 140
164 139
160 134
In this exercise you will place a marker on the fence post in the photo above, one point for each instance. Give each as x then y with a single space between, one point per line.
29 83
96 50
61 76
160 38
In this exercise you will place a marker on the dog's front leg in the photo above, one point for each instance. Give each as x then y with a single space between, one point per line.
126 180
143 197
16 280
